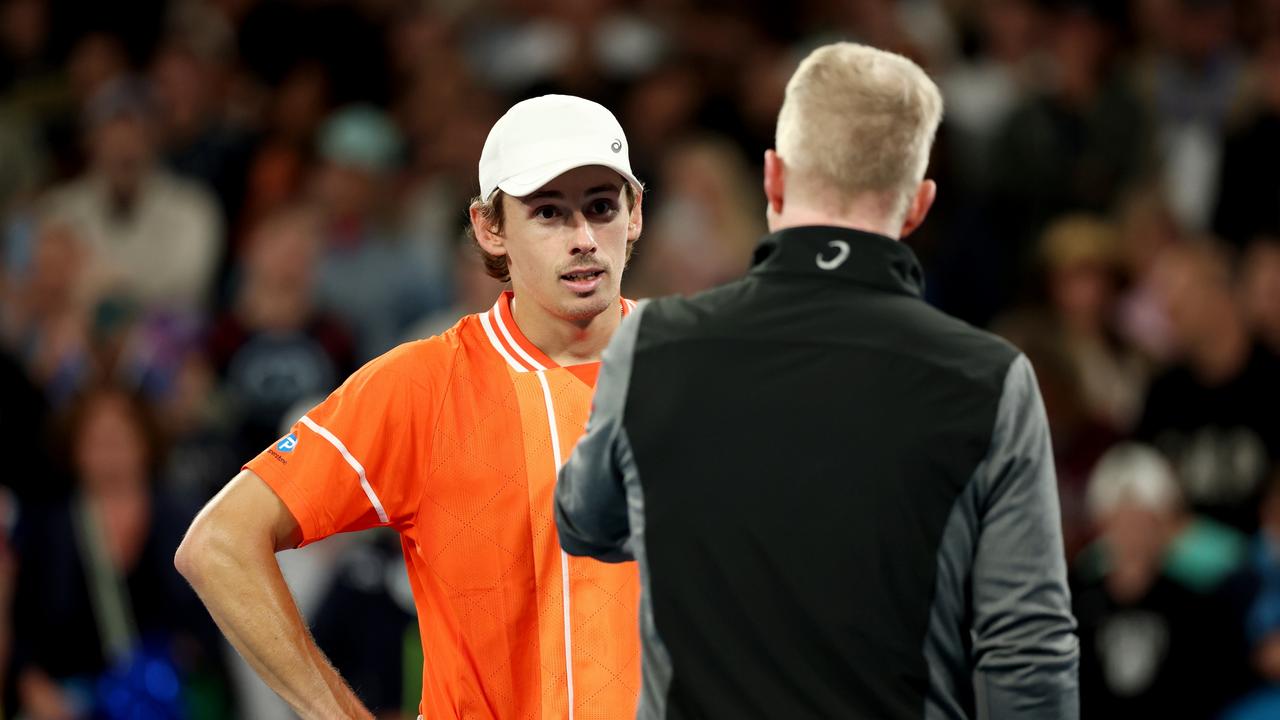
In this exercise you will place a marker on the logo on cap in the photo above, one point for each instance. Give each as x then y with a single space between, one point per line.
616 146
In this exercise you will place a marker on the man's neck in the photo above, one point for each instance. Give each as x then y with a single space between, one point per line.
857 218
567 342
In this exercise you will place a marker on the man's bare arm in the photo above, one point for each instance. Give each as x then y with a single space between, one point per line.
228 556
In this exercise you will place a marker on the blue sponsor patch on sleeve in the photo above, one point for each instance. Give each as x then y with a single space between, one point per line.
289 442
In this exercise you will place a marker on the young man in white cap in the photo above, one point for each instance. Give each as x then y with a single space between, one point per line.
455 441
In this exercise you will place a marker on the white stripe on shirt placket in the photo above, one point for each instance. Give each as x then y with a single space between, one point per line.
564 557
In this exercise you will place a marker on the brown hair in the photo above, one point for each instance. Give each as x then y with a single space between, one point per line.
491 214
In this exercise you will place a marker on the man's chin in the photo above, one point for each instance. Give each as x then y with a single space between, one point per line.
583 309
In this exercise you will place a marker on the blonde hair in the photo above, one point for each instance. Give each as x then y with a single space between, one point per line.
858 120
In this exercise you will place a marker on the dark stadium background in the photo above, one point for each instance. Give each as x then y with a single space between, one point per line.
287 184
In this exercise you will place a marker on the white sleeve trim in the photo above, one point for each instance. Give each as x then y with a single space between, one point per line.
355 465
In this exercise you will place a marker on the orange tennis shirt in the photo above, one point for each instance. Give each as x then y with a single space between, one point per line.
455 441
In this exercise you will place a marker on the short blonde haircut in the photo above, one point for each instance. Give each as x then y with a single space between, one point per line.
856 121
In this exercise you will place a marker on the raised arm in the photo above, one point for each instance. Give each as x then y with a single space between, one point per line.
228 556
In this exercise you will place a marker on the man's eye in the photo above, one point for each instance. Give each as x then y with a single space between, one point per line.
602 207
546 212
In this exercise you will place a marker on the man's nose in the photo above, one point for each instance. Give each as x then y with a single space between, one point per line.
584 241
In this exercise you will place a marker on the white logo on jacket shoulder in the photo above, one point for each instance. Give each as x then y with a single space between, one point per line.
842 254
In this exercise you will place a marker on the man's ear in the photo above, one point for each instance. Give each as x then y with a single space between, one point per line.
635 223
919 206
488 237
774 183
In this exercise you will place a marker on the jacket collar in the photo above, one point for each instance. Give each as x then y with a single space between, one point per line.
844 253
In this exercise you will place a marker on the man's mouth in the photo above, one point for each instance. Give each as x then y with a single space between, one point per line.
579 275
582 280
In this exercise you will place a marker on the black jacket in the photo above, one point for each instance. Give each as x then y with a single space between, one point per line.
842 500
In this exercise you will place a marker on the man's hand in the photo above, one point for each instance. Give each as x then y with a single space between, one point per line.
228 556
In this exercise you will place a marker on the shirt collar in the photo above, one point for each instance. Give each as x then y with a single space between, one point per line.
843 253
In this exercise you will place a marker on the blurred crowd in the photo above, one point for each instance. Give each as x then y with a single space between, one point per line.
212 211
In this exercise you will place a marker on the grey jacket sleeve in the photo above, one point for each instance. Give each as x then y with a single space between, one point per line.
1025 649
591 500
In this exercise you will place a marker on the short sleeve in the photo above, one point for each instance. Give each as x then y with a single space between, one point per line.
356 460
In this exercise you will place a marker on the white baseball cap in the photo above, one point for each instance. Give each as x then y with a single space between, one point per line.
540 138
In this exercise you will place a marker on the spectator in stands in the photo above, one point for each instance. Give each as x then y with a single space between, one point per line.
104 626
1080 254
706 227
196 138
1080 140
1076 144
199 432
982 91
45 318
279 163
1213 412
1157 638
1147 227
274 347
473 292
1193 86
158 235
369 277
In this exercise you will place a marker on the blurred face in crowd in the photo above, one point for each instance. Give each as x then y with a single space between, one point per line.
661 105
1080 44
182 87
122 152
566 244
1136 537
283 251
1081 293
55 265
346 192
1193 295
300 102
110 446
1147 228
95 60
